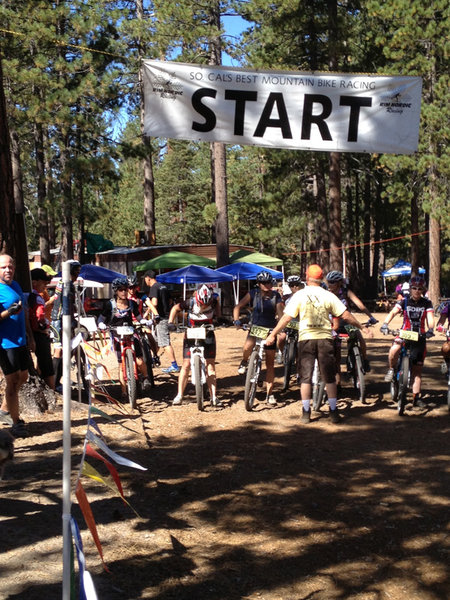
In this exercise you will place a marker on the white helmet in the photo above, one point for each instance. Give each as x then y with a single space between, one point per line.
204 294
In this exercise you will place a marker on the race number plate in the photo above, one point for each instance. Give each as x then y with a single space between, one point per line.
411 336
292 325
196 333
125 330
259 332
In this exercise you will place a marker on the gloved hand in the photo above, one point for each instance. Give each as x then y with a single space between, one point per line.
384 329
429 334
102 326
145 322
172 327
440 328
237 323
372 321
15 308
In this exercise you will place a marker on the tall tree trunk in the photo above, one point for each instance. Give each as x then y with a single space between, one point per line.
335 157
414 230
20 241
44 243
367 228
320 193
435 261
147 163
51 212
219 162
66 216
7 221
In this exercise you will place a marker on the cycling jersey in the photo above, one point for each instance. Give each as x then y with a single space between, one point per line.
115 316
264 309
199 314
415 313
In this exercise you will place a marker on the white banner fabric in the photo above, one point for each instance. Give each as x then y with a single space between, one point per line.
288 109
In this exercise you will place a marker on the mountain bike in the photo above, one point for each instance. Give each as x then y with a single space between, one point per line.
253 376
290 353
355 366
402 370
125 336
447 362
147 354
197 337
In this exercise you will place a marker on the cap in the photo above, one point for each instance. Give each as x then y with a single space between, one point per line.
49 270
314 272
39 275
150 273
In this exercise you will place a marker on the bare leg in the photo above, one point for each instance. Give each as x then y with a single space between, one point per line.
270 371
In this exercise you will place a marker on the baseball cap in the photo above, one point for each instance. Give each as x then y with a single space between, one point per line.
39 275
314 272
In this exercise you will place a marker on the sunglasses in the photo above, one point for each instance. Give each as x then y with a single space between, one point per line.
122 289
414 287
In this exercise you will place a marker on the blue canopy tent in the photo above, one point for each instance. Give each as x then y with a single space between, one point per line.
400 269
193 274
99 274
245 270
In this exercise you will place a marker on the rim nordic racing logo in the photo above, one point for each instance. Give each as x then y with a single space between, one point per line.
167 86
396 102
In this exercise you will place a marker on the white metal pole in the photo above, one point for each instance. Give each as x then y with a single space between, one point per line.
66 345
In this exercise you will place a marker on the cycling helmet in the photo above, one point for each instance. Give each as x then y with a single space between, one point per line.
417 281
334 277
204 294
75 266
119 282
294 280
264 277
132 281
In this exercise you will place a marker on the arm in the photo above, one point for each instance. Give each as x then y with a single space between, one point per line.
430 319
176 308
391 315
347 316
280 310
237 309
279 327
354 298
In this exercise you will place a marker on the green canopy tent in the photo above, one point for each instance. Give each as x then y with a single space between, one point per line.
255 257
175 260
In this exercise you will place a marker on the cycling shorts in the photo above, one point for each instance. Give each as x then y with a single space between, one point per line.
14 359
323 350
271 347
418 350
209 345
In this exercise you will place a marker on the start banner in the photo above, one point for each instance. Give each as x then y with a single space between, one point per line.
282 109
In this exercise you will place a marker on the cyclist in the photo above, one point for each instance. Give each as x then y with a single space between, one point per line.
295 283
445 350
312 306
133 294
202 308
418 315
120 310
336 285
267 306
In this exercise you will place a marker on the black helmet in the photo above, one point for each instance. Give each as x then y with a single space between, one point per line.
132 280
334 277
264 277
119 282
294 280
75 266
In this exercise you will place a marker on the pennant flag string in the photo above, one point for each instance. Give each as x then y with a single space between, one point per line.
116 457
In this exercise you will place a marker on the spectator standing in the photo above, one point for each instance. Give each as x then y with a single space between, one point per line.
313 306
14 354
159 305
40 326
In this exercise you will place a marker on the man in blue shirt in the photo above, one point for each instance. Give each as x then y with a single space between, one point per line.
14 355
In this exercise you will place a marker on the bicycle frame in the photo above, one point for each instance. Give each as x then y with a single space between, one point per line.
355 366
254 364
290 352
125 335
197 360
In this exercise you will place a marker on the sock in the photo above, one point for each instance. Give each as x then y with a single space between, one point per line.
305 404
333 403
57 366
174 364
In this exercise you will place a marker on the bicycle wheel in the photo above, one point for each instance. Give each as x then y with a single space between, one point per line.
198 381
403 385
130 379
148 359
394 388
318 395
448 397
359 381
251 380
289 363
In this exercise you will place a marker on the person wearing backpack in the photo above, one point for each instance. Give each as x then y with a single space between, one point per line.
159 304
40 326
267 306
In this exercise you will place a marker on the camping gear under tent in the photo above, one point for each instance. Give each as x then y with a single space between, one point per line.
247 271
400 269
175 260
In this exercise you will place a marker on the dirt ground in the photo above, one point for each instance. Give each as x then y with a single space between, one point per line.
238 505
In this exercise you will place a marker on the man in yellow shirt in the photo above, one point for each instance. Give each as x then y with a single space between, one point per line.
313 306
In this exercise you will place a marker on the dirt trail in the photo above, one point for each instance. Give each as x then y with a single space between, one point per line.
239 505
